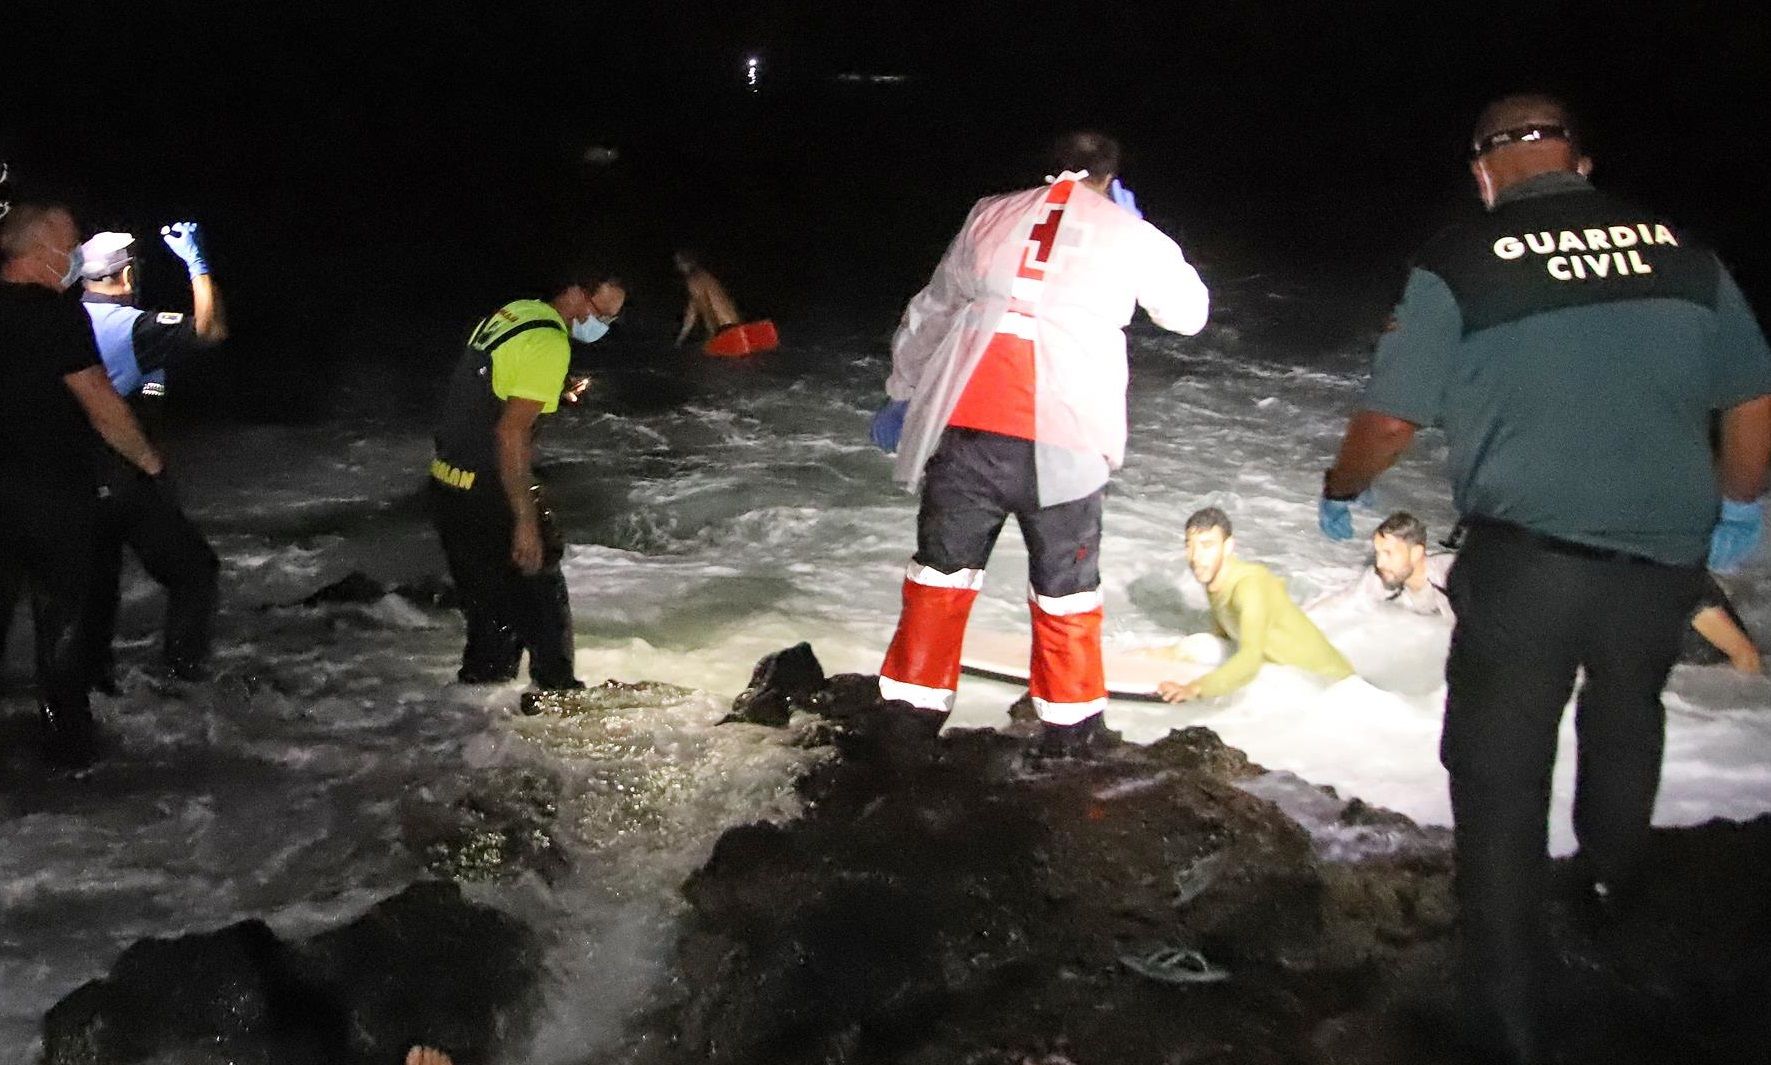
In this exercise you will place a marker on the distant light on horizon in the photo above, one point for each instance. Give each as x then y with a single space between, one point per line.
864 78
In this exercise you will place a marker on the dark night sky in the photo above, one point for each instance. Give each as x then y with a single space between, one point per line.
420 156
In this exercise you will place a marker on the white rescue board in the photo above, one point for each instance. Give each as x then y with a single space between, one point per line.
1132 672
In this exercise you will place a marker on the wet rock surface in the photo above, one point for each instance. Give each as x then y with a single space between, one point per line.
358 588
961 900
424 966
781 683
498 827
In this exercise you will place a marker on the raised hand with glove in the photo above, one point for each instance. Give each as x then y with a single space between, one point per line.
1122 196
185 241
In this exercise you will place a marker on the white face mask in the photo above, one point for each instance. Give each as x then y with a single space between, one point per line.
589 331
76 260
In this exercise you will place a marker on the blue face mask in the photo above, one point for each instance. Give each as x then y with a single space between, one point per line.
590 330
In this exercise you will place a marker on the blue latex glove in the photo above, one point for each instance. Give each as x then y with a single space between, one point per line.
1123 197
888 425
185 240
1736 534
1335 516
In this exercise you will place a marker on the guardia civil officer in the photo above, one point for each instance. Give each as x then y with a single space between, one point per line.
1572 346
495 527
55 406
137 345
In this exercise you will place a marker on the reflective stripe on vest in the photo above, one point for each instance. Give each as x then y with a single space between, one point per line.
471 409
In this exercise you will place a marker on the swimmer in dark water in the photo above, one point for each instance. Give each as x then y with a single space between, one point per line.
1402 573
1250 606
709 305
427 1056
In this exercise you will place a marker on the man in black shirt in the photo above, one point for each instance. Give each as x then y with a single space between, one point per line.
56 405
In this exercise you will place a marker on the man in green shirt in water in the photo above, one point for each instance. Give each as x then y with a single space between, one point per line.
1250 606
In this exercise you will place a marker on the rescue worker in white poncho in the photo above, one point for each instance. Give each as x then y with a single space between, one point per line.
1008 390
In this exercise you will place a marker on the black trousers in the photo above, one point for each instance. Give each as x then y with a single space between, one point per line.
46 547
142 513
1532 614
973 482
507 611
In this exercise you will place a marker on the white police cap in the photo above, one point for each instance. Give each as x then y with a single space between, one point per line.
106 254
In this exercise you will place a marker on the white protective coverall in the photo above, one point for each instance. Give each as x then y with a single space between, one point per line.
1019 336
1105 262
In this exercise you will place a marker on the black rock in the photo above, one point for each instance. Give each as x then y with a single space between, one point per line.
428 967
954 899
360 589
353 587
782 682
431 591
847 695
230 992
423 967
499 827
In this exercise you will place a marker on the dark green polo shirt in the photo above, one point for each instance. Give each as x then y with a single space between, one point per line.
1573 346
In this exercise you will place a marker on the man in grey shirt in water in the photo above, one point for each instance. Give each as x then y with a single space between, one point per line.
1401 573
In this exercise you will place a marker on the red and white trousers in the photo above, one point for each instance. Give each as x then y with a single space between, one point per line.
972 483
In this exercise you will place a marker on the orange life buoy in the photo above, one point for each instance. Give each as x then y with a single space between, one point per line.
748 338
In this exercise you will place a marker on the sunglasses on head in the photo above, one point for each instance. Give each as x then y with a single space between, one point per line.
1526 134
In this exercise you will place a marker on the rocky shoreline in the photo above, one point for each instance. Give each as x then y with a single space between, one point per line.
962 900
425 965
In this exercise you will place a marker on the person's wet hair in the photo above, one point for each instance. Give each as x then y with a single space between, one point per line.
1086 149
1405 527
1209 518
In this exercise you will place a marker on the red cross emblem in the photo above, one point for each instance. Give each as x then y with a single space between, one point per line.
1045 234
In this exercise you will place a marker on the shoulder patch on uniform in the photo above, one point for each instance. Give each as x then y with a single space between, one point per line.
168 318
